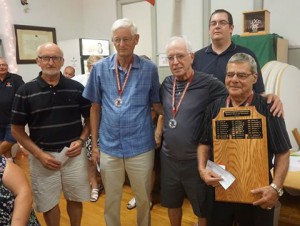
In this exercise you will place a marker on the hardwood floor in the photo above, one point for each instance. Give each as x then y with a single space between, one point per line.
93 213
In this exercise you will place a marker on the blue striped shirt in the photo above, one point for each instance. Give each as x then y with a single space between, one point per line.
124 131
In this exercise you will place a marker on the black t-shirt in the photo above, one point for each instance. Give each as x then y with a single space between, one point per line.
8 88
181 142
207 61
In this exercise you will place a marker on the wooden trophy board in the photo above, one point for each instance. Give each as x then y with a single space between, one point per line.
240 144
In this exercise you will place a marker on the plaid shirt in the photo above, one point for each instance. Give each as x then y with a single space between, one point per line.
125 131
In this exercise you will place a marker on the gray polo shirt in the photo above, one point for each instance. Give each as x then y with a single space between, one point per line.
181 142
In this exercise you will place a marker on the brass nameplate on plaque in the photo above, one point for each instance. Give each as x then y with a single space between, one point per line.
240 144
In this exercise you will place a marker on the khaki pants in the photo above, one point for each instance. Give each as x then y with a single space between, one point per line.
139 170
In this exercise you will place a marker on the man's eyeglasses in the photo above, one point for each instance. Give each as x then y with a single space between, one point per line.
221 23
46 59
178 57
3 65
239 75
125 40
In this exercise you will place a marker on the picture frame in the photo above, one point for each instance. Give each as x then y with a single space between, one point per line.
256 22
28 38
94 47
83 62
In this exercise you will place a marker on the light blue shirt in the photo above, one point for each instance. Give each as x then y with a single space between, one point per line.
124 131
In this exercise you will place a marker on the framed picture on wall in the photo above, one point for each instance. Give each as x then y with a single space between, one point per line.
93 47
28 38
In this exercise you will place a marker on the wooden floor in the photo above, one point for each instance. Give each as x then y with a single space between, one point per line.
93 212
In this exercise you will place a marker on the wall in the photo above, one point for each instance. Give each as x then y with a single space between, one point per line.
93 18
71 18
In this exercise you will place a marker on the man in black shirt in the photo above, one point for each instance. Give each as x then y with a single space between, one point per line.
213 59
240 77
9 84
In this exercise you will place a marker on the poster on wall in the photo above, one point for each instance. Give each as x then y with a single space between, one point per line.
93 47
28 38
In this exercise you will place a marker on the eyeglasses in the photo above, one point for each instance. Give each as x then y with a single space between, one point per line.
46 59
239 75
125 40
221 23
178 57
3 65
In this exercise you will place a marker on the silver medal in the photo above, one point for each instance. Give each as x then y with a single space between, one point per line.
172 123
118 102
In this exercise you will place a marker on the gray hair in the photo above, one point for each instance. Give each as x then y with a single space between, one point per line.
182 39
244 58
124 23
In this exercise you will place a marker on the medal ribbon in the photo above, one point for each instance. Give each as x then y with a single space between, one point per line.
175 109
248 101
121 89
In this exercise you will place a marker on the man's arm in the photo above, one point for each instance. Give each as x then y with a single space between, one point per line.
76 146
158 108
159 130
277 106
95 117
209 177
48 161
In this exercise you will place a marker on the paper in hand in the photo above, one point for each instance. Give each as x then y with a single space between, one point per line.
62 155
227 177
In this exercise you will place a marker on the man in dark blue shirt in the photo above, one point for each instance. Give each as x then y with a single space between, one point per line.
213 58
9 84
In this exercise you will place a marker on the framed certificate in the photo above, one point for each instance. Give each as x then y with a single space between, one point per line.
28 38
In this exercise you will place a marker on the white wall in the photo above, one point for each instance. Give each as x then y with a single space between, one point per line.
71 18
93 19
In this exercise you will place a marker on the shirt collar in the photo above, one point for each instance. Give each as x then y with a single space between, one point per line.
43 84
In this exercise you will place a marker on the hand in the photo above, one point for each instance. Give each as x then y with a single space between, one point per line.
277 106
74 149
48 161
158 140
210 178
268 199
95 156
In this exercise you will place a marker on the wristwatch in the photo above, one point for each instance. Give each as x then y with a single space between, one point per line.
277 189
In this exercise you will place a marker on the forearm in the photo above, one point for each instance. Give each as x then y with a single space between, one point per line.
159 126
281 167
203 156
95 116
86 129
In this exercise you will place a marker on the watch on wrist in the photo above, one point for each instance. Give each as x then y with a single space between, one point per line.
277 189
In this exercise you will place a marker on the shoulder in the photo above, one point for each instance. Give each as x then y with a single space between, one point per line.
209 79
243 49
201 51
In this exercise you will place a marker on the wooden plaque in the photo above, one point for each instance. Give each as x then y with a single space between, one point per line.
240 144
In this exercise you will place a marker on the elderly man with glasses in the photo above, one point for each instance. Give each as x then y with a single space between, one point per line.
52 106
240 78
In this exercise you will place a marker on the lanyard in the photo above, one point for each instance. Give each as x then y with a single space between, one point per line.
121 89
175 109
